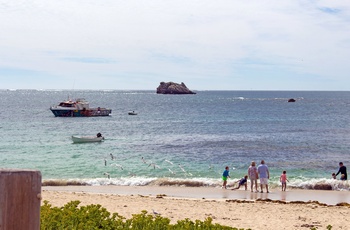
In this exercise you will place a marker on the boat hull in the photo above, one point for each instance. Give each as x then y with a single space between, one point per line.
81 113
77 139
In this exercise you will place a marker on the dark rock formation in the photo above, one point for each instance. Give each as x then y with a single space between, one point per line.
173 88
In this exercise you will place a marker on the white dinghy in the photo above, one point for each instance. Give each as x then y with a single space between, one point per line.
87 139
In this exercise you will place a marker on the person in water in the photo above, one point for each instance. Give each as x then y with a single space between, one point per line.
241 182
264 176
342 171
283 180
225 175
334 176
253 176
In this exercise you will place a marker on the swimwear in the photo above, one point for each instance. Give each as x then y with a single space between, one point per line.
242 181
283 178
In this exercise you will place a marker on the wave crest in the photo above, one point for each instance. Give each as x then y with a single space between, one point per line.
309 184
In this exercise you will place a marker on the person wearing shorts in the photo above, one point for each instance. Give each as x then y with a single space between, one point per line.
225 175
264 176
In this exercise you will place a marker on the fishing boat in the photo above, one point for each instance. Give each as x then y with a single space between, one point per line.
78 108
132 113
87 139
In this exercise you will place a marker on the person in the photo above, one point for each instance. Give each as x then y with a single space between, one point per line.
264 176
99 135
283 180
342 170
253 176
241 182
225 175
334 176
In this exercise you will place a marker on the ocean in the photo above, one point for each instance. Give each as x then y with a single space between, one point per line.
178 140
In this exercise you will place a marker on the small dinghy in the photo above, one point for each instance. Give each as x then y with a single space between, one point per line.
87 139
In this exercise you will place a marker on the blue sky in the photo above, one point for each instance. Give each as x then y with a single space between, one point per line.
208 45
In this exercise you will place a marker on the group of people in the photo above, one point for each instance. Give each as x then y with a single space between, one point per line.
254 173
262 172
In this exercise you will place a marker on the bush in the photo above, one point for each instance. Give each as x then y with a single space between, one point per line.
71 216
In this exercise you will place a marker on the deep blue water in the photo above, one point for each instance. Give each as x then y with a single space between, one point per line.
200 134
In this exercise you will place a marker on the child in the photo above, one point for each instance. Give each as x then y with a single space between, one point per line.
242 181
334 176
225 175
283 180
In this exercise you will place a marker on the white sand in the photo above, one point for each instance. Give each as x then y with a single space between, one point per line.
178 203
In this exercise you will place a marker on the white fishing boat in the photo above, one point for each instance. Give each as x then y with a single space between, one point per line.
87 139
78 108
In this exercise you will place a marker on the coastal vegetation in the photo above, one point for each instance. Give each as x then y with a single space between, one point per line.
73 216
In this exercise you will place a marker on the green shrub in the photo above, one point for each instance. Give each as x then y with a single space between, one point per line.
73 217
70 216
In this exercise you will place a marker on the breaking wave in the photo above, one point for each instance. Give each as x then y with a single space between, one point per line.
308 184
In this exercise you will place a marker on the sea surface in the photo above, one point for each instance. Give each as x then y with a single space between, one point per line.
179 140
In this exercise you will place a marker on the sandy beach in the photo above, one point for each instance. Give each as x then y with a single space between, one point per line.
292 209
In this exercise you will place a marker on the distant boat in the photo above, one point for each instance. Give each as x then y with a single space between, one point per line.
291 100
132 113
86 139
78 108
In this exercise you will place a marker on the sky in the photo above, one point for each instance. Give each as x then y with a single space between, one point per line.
208 45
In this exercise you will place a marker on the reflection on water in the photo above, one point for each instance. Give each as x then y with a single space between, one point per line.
284 196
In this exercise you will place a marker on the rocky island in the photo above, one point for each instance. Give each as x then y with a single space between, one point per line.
173 88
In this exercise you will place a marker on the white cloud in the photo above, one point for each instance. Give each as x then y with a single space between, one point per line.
222 44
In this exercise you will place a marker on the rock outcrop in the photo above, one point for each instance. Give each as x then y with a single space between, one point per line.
173 88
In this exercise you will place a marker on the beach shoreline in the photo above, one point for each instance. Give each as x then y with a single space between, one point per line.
321 196
293 209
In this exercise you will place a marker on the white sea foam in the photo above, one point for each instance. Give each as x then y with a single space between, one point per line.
123 181
311 184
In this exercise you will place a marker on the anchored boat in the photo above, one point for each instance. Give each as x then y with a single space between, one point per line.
81 139
78 108
87 139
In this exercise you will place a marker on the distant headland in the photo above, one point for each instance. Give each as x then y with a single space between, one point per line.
173 88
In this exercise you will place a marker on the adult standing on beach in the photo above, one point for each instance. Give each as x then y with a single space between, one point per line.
342 171
253 176
264 176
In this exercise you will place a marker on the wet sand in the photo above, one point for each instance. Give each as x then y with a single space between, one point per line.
238 208
327 197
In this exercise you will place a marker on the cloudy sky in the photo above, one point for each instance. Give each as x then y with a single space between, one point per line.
208 45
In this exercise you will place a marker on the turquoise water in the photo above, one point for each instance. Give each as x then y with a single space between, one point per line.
199 134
